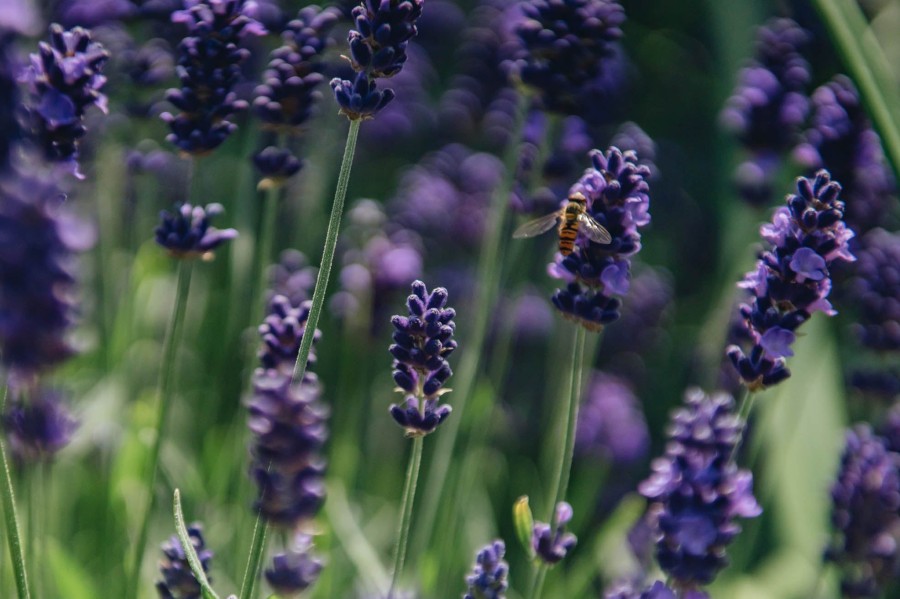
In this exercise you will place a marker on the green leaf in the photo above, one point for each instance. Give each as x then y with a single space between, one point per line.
71 579
189 552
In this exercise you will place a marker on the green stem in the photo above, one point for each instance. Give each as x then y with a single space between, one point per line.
331 237
13 535
868 66
264 244
256 550
487 287
166 376
187 545
745 404
409 495
539 574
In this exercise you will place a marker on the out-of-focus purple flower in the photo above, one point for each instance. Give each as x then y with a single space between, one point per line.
209 60
422 342
696 490
18 16
38 428
610 422
378 44
658 590
292 277
282 332
618 198
178 580
875 289
769 106
890 429
489 574
791 280
288 93
841 139
276 165
567 45
150 64
866 515
551 543
187 233
532 318
38 242
90 13
10 129
630 136
295 570
63 80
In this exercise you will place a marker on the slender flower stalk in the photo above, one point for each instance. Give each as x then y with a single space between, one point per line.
11 521
406 509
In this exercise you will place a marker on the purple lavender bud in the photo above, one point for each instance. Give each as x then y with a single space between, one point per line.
276 165
875 289
178 581
552 543
289 427
378 44
618 198
841 139
282 332
630 136
769 106
209 60
566 46
422 342
658 590
696 490
286 97
610 421
38 241
63 80
186 231
292 277
488 577
866 515
295 570
792 280
38 428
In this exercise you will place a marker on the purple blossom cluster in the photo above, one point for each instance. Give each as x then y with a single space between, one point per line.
566 47
658 590
209 60
875 290
187 232
295 570
792 280
38 428
178 580
769 106
378 44
551 542
866 515
422 342
488 579
618 198
64 79
696 490
610 421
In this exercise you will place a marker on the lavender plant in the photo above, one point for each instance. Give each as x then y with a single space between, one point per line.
489 574
178 581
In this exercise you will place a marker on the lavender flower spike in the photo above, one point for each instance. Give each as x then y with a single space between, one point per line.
791 280
178 581
36 430
696 490
186 232
378 44
488 577
618 198
422 342
551 542
295 570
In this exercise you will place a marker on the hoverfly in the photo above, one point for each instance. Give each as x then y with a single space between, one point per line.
571 217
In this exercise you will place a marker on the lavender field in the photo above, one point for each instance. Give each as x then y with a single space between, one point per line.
449 298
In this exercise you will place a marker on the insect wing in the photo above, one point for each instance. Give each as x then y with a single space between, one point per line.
594 230
536 226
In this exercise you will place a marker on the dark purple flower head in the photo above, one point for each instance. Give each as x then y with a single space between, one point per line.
422 342
286 97
618 198
866 515
378 44
610 421
696 490
551 543
875 290
566 46
276 165
282 332
178 581
209 60
64 79
38 428
488 577
38 242
289 427
295 570
792 279
187 233
292 277
841 139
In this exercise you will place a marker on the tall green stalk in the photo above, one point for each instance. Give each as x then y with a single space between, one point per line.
11 521
487 287
409 495
166 376
256 550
